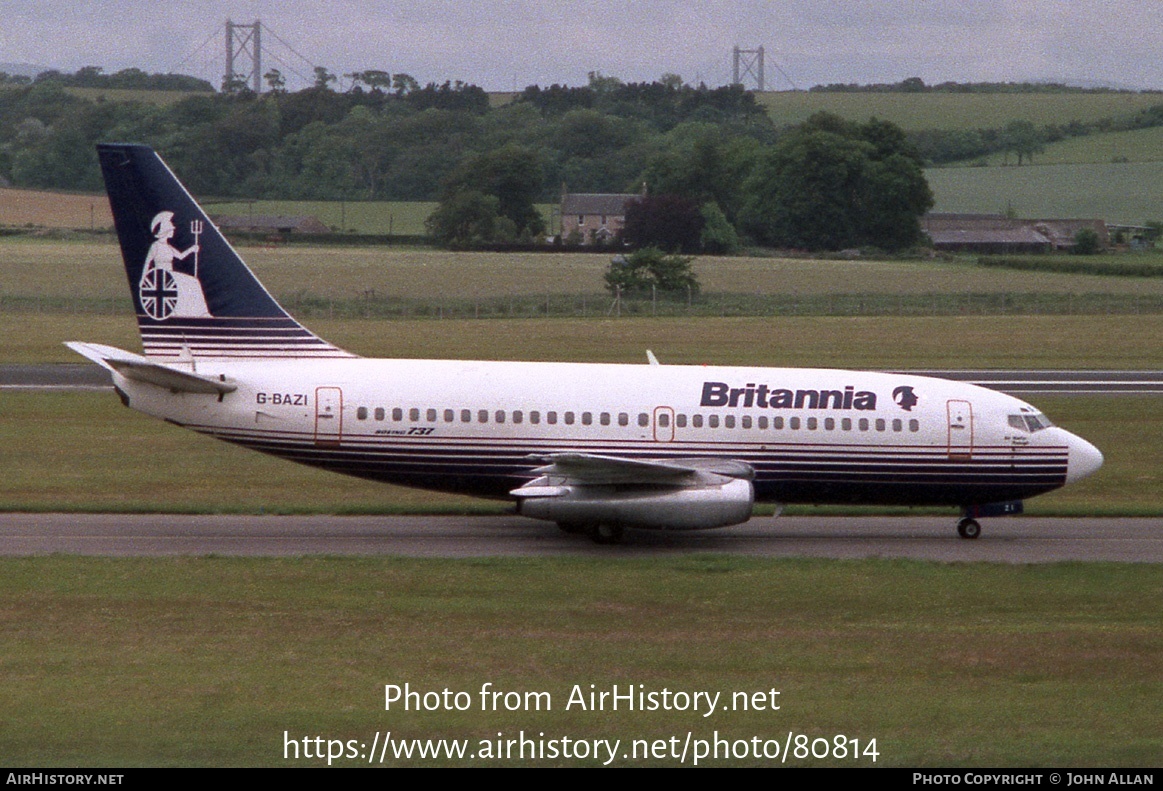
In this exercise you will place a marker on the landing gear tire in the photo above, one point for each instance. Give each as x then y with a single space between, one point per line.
573 528
606 534
968 528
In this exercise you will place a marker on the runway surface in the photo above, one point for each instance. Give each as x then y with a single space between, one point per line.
86 376
1008 540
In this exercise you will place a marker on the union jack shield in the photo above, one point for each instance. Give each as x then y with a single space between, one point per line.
159 293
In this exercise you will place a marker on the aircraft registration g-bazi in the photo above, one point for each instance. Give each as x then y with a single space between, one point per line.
594 448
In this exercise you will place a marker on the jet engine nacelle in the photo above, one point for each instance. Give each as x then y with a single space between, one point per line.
663 508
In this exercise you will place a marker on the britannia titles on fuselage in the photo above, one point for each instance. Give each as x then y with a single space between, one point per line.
720 394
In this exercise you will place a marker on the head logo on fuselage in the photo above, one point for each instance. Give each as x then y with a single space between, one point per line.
905 398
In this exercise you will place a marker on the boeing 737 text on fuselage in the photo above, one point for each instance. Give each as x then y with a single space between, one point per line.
595 448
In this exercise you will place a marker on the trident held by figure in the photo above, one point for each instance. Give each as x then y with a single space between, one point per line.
196 229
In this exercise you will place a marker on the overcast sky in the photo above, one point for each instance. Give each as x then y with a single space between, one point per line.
502 44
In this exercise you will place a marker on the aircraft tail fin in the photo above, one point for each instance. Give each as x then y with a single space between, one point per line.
194 296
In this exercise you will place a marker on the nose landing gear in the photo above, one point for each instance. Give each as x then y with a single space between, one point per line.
968 528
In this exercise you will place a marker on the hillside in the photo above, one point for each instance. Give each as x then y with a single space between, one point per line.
1126 192
920 111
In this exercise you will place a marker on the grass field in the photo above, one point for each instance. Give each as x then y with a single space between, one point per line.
35 208
917 111
208 661
1138 145
368 217
1124 192
93 271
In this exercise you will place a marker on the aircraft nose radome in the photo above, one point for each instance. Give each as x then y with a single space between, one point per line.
1084 459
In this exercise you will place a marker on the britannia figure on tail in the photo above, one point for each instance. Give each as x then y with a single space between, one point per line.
166 292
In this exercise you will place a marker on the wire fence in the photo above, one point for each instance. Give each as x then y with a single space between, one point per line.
600 305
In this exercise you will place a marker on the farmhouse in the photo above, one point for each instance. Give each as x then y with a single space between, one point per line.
595 218
996 233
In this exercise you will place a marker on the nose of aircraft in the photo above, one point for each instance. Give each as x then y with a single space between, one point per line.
1084 459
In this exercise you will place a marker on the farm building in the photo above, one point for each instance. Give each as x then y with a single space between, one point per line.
594 217
270 224
996 233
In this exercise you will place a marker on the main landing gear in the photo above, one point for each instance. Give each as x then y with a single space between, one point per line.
600 533
968 528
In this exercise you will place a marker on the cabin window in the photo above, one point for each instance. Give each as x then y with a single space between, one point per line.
551 418
663 420
466 416
777 423
713 421
430 415
914 425
449 416
623 419
697 421
500 416
379 413
794 423
747 421
569 418
361 413
413 414
880 424
729 421
605 418
483 416
535 417
397 414
643 419
518 416
829 424
846 423
864 424
680 421
587 418
812 424
897 425
763 422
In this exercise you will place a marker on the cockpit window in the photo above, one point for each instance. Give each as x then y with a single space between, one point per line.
1038 422
1030 422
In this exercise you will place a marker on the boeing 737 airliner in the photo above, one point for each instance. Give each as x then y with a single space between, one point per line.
595 448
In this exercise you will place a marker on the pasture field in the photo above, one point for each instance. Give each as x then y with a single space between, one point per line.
91 271
210 661
919 111
367 217
39 209
1137 145
1123 192
875 342
141 95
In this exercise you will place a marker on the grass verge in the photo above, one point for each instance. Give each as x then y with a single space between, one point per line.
210 661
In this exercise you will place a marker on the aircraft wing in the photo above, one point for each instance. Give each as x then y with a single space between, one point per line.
679 494
596 470
142 369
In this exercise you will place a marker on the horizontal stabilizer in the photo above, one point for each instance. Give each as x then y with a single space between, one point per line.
141 369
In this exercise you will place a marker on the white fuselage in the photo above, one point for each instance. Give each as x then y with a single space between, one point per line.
811 435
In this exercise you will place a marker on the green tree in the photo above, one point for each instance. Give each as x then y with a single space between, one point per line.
465 218
718 235
513 175
832 184
1086 242
650 267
